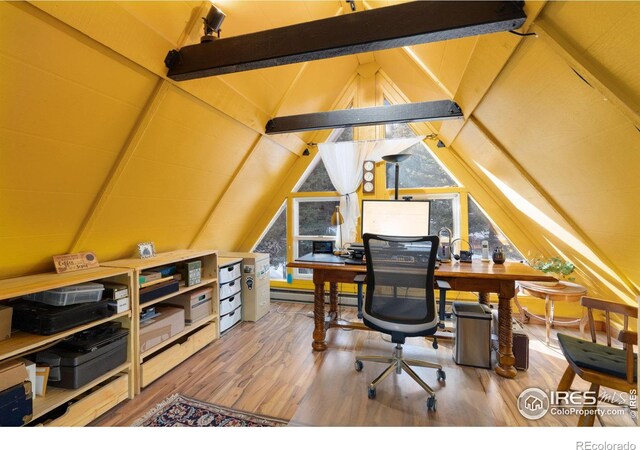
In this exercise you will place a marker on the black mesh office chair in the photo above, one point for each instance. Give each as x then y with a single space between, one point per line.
400 300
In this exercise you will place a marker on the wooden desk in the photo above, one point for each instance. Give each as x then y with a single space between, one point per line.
481 277
564 291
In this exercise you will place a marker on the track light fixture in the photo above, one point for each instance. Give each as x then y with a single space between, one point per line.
352 4
212 24
306 152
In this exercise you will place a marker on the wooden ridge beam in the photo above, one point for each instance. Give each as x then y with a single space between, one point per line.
377 29
378 115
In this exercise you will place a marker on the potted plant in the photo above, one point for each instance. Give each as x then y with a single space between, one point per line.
556 266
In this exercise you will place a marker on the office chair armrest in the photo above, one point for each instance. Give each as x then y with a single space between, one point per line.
442 284
628 337
361 278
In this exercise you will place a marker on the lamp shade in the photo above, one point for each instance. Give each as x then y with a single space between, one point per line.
336 217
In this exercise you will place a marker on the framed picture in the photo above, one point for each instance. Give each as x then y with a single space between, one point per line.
146 250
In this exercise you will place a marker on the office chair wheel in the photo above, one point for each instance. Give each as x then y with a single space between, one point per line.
359 365
435 343
371 392
442 376
432 403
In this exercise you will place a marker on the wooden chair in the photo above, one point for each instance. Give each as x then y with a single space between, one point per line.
601 365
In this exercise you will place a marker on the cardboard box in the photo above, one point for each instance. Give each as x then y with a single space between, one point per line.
12 373
115 291
197 304
120 305
31 374
5 322
168 322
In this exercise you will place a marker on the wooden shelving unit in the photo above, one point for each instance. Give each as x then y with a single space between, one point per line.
101 394
158 360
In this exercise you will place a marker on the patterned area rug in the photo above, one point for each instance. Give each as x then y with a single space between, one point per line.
180 411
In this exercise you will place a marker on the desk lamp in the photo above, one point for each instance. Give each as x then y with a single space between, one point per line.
338 220
396 159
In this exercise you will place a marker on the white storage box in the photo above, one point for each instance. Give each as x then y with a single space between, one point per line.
229 320
230 303
69 295
230 272
229 289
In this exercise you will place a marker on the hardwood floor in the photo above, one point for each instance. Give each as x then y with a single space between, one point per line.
269 368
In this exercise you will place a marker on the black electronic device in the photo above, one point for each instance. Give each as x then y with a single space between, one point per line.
322 247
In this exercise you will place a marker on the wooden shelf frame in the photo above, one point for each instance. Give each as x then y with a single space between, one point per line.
209 278
23 343
203 284
58 396
188 328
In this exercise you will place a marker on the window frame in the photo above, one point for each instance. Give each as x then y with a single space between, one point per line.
296 237
275 217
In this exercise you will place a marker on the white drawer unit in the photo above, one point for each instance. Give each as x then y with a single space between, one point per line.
230 319
230 303
230 272
231 288
230 276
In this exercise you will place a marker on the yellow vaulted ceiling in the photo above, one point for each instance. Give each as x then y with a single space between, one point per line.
99 151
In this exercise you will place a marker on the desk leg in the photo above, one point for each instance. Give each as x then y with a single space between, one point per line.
333 300
506 360
483 298
319 332
548 318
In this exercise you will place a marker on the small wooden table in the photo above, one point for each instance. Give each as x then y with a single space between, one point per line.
481 277
564 291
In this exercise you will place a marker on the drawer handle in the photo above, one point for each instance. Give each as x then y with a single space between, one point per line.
231 298
231 313
230 269
232 283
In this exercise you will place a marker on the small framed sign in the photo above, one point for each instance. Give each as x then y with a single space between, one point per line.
75 261
146 250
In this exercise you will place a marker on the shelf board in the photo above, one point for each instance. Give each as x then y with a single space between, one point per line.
203 283
22 342
58 396
187 329
17 287
160 259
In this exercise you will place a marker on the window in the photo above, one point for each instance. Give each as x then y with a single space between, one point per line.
312 217
482 228
318 179
444 212
422 169
274 242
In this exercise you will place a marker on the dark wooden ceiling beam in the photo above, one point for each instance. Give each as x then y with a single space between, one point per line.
377 29
379 115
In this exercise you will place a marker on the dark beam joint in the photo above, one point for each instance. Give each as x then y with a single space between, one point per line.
379 115
377 29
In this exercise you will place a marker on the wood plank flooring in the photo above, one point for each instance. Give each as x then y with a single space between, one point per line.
269 368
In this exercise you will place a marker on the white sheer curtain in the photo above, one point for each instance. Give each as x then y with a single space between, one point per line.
343 161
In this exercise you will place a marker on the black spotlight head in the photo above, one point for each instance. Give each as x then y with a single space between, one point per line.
306 152
212 23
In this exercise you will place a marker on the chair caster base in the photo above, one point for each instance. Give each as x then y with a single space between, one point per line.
441 375
371 393
432 403
358 365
